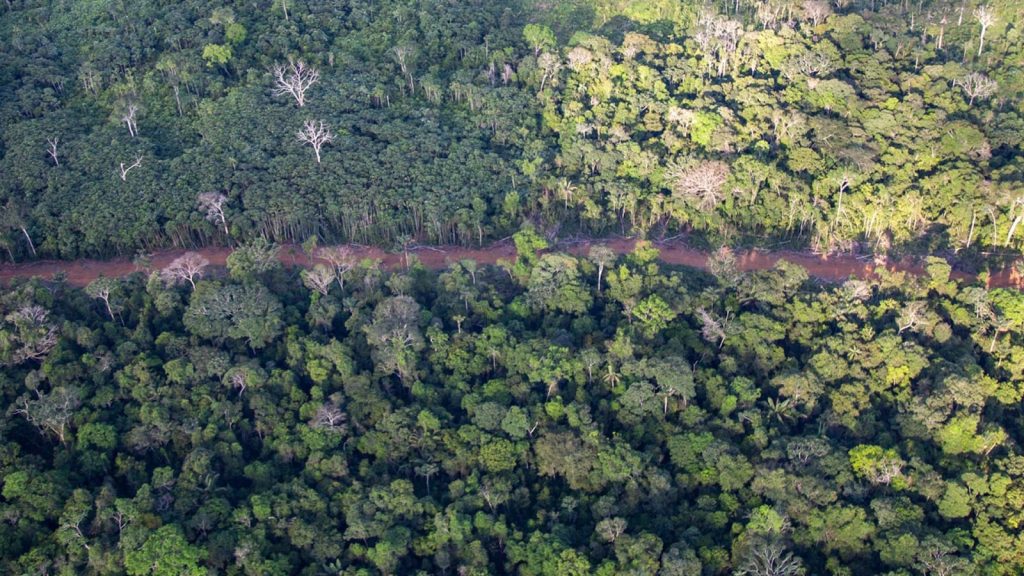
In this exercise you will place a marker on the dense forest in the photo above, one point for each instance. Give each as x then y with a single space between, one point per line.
552 415
829 125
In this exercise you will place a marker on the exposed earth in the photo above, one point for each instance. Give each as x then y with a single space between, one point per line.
830 268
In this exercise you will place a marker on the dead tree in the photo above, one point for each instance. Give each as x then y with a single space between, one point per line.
51 149
341 258
188 266
316 134
129 118
702 182
213 204
714 328
319 278
14 215
977 85
403 56
294 80
816 11
33 336
329 417
124 170
986 17
50 413
101 289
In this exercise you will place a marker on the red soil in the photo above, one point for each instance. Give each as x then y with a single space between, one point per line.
832 268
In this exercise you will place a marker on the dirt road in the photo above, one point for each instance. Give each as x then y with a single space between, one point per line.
833 268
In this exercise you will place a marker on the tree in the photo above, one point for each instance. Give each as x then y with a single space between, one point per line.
555 285
395 335
165 552
316 134
723 266
986 17
187 267
248 312
768 558
295 80
539 37
817 11
212 203
340 258
52 412
253 259
101 289
14 216
319 279
653 314
27 335
51 149
329 417
217 54
602 256
610 529
131 109
937 557
878 465
714 328
124 170
977 85
700 182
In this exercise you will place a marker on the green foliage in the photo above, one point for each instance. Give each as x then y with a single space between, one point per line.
438 420
461 126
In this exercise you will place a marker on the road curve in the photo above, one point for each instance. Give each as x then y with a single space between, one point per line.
831 268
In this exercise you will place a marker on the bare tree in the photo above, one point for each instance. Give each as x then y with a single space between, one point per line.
986 17
284 8
610 529
702 181
718 38
602 256
769 559
239 382
977 85
329 417
189 266
130 111
15 215
319 278
723 266
341 258
938 557
316 134
549 66
101 288
294 80
50 412
124 170
33 335
912 315
816 11
714 328
404 56
1018 217
51 149
213 204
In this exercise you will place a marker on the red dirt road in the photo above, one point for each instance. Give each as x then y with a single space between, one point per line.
831 268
